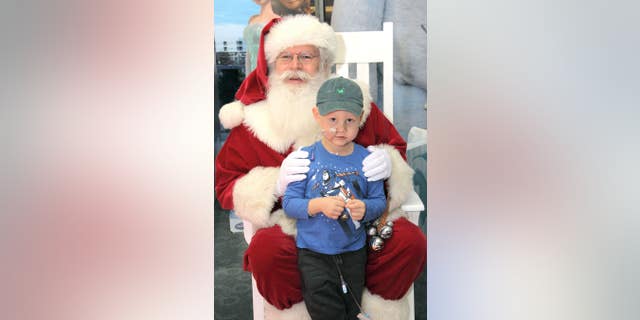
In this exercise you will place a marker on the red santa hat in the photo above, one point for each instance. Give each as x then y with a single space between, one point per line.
277 35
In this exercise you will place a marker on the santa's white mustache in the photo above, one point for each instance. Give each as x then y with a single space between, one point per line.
294 74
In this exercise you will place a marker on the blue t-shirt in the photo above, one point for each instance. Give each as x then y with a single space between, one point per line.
333 175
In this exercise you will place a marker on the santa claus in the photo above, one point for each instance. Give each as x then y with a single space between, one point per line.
270 121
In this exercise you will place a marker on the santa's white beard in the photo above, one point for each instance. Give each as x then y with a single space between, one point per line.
290 106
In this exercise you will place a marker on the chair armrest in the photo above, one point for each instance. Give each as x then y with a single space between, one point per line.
413 206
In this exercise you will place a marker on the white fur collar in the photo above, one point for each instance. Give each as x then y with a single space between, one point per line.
260 121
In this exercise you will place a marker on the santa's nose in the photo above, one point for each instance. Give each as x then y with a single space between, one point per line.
295 64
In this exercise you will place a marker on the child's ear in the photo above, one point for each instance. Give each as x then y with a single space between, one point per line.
316 113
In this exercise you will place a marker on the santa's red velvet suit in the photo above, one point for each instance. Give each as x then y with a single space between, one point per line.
248 166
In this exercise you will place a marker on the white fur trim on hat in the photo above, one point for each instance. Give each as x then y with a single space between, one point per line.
299 30
231 114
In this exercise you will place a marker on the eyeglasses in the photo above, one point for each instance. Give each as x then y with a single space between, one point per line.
303 57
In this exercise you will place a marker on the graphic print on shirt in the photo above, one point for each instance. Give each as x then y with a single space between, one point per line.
334 184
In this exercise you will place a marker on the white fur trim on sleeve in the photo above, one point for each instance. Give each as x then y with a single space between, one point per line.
253 196
379 308
400 183
287 224
231 114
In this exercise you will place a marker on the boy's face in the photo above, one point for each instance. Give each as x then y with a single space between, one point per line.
339 127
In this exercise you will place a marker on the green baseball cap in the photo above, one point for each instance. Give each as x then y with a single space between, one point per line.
339 94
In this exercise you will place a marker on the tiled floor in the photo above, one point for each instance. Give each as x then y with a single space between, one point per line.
232 286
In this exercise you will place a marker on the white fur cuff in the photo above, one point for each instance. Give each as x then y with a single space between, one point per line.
400 183
253 196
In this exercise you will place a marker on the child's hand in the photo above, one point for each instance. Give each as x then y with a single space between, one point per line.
332 207
357 209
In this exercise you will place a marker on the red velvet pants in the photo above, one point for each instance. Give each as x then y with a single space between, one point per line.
272 259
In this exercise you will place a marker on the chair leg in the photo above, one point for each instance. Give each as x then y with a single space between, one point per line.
412 307
258 301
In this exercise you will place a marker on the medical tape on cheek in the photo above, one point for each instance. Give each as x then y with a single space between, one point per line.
331 131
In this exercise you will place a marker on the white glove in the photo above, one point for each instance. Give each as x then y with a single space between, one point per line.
377 165
293 168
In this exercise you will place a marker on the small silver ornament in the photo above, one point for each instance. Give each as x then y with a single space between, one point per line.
386 232
372 231
389 223
376 243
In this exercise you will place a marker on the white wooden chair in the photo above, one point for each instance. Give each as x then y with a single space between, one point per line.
361 49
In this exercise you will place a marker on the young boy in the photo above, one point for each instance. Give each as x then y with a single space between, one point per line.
331 204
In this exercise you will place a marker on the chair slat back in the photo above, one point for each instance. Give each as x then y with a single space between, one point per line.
363 48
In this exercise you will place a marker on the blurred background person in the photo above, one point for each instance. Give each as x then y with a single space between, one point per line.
409 49
251 33
289 7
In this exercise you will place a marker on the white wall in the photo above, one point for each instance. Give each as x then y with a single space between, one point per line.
533 143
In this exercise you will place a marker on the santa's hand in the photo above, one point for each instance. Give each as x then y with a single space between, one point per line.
377 165
293 168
